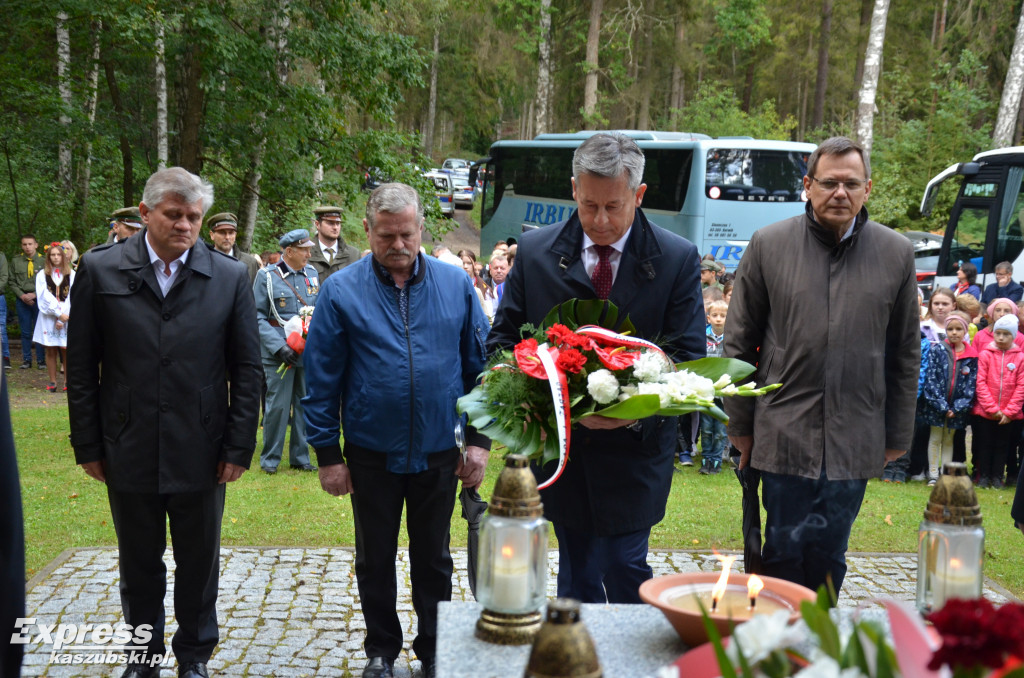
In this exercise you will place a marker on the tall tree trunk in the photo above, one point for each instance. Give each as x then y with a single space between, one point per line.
647 77
80 208
1020 125
590 66
675 102
160 87
64 88
127 164
748 84
864 126
543 69
866 7
428 131
821 82
277 40
1010 102
191 118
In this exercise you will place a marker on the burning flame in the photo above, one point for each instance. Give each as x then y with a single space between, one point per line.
754 586
718 591
506 551
954 563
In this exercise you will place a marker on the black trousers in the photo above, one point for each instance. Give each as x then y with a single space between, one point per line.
991 443
140 522
377 500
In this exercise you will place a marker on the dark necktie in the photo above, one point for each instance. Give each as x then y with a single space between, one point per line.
602 275
330 254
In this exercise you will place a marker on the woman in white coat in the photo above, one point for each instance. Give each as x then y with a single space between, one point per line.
53 292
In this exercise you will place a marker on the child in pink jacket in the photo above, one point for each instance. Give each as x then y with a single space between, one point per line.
1000 394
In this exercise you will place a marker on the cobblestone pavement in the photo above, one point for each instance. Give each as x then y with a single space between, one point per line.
295 611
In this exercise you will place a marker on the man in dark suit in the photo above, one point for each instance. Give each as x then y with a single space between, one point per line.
616 484
163 396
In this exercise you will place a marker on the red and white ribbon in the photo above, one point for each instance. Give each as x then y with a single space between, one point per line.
560 400
606 336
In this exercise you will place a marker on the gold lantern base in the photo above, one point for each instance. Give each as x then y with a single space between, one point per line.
508 629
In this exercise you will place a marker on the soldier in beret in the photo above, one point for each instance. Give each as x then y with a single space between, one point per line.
282 289
124 223
223 229
330 251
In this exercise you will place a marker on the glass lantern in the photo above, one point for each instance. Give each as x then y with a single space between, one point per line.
951 542
513 558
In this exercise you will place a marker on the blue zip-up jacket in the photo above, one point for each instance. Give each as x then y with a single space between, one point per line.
397 384
950 382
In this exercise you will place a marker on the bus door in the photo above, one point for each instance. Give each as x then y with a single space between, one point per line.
965 240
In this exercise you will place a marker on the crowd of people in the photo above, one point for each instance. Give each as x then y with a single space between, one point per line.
172 343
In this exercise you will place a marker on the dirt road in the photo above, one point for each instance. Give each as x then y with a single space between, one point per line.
465 237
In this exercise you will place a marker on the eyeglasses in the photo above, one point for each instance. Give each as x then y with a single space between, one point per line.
830 185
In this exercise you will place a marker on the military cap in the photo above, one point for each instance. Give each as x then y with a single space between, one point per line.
127 215
327 211
710 265
297 238
222 219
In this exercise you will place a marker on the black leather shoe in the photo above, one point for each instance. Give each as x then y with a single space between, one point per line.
193 670
304 467
140 671
379 667
269 471
430 669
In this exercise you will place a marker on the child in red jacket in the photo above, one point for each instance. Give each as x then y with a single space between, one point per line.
1000 394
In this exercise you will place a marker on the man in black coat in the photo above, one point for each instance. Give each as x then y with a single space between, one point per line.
163 394
12 545
616 483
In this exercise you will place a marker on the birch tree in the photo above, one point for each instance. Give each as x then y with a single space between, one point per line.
1010 103
160 86
543 69
83 167
872 73
591 65
428 127
64 89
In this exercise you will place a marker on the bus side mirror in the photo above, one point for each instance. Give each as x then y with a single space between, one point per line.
968 169
473 171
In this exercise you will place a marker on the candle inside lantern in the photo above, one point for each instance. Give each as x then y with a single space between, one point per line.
510 588
960 580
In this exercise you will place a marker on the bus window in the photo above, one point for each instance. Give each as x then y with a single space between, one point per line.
1009 242
968 241
667 175
754 175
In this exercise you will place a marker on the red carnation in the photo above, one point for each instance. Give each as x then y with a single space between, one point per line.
974 633
560 335
571 360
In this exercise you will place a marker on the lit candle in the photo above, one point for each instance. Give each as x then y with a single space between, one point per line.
723 581
510 589
754 586
957 581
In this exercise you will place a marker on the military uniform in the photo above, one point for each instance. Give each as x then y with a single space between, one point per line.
280 292
230 221
343 254
23 272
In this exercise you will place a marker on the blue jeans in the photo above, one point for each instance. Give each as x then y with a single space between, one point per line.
712 438
807 530
27 315
3 327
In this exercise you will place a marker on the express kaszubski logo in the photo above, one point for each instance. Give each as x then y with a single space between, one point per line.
89 643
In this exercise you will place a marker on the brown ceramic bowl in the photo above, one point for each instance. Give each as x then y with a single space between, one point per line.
688 623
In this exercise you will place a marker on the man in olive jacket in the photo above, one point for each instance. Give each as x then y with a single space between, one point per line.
163 395
330 252
825 304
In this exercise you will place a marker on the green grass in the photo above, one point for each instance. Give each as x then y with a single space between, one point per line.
64 508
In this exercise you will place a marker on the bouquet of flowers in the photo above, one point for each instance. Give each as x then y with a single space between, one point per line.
296 329
573 367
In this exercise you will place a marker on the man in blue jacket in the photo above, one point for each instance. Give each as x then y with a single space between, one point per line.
616 484
1004 287
396 338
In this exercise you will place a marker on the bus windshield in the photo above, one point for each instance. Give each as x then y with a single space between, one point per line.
746 174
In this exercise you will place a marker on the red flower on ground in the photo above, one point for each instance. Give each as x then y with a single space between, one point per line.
571 360
975 633
560 335
616 358
526 356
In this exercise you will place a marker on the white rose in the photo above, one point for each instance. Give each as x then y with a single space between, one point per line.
661 390
602 386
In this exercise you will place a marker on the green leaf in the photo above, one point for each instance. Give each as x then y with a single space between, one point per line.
637 407
715 638
577 312
819 622
714 368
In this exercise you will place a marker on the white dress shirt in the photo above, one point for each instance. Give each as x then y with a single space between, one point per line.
590 257
162 278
